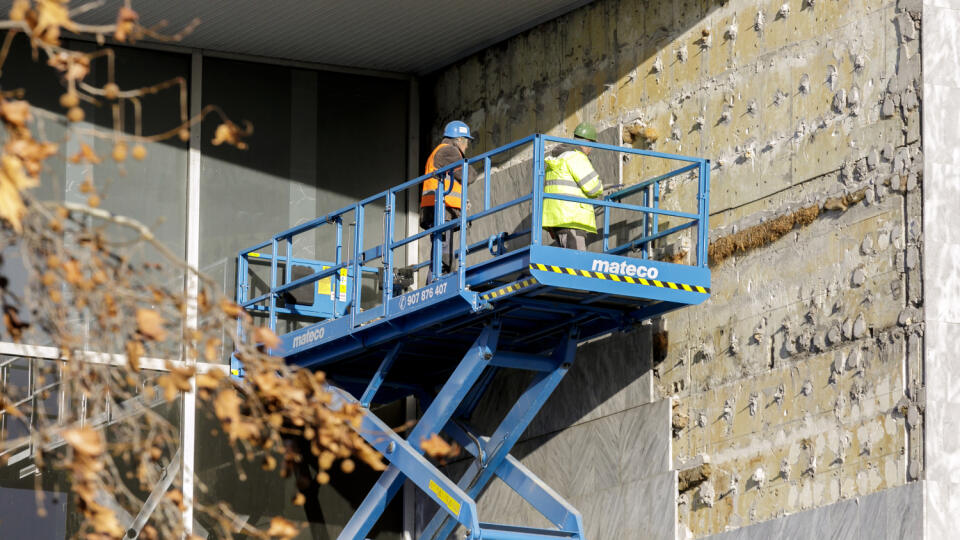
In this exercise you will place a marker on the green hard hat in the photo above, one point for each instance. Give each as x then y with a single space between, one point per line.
586 131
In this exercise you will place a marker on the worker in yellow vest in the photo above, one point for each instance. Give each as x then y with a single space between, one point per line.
453 148
569 172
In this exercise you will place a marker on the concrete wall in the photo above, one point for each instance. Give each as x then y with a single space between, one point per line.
798 383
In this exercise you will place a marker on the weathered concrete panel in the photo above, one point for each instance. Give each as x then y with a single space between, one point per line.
794 380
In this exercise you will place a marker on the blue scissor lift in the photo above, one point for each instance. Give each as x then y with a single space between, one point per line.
514 303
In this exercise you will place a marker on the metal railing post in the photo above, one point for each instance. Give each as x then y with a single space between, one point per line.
486 183
646 223
274 255
464 194
606 228
241 278
355 264
656 205
436 246
388 252
242 272
335 278
703 198
536 226
287 267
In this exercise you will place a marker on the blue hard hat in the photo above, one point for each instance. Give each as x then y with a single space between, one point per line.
456 129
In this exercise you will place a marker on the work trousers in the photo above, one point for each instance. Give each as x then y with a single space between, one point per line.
426 222
568 238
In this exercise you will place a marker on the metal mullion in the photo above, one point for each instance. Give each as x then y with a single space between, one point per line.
189 398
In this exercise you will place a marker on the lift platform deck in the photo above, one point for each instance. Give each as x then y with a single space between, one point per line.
511 302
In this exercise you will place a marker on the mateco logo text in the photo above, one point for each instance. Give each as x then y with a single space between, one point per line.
624 269
308 337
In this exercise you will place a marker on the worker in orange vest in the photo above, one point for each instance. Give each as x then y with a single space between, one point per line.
453 148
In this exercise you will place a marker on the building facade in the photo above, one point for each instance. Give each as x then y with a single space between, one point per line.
812 392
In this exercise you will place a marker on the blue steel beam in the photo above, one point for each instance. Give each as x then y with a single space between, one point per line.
403 455
509 431
434 418
521 480
379 376
496 531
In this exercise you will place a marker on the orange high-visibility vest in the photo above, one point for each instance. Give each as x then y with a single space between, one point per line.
451 199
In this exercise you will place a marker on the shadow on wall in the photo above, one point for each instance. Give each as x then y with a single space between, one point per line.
608 376
571 87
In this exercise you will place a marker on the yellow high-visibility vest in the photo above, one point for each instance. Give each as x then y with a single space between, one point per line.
570 174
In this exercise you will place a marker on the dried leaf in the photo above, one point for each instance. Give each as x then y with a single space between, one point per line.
150 324
103 520
73 274
10 409
85 441
119 153
75 66
85 154
51 16
15 113
134 353
13 179
211 350
126 24
15 326
176 497
176 381
282 528
436 447
19 10
209 380
229 133
31 153
231 309
227 405
264 335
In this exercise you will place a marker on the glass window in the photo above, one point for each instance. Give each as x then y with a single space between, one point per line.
257 495
153 191
321 141
121 418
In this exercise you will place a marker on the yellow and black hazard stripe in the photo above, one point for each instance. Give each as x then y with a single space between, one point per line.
617 277
513 287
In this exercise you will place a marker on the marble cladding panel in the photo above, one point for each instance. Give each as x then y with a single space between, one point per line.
942 181
943 441
892 514
941 50
942 274
941 138
941 221
608 376
941 504
649 508
941 354
615 470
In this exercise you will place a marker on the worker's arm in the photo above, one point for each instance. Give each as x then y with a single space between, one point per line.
582 171
447 156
